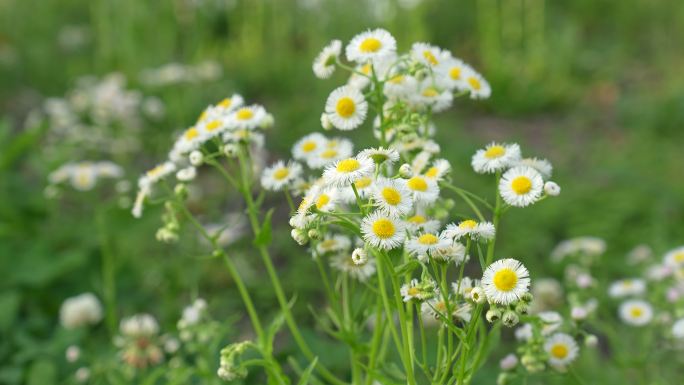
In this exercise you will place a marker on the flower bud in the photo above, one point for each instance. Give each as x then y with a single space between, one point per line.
186 174
299 236
196 158
527 297
477 295
493 315
591 341
405 171
503 379
359 256
522 308
314 234
181 190
325 122
509 362
267 122
552 189
73 353
510 318
578 313
230 150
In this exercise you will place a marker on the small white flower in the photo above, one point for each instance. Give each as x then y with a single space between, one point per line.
196 158
552 189
495 157
139 325
449 251
471 228
627 288
186 174
543 166
392 197
636 312
505 281
562 349
371 45
247 118
675 257
280 175
521 186
332 151
580 246
509 362
81 310
346 108
477 85
424 190
420 223
430 95
73 353
343 172
383 231
359 256
551 321
426 244
334 243
380 155
345 263
427 54
439 169
324 64
308 146
413 290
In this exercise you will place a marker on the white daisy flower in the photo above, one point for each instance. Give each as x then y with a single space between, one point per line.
452 73
343 172
230 104
400 86
425 244
325 199
524 333
371 45
636 312
551 321
81 310
362 77
627 288
509 362
473 229
308 146
543 166
188 141
449 251
424 190
156 174
521 186
552 189
427 54
186 174
477 85
675 257
439 169
324 64
495 157
332 151
334 243
211 128
280 175
505 281
579 246
420 223
383 231
413 291
364 187
420 162
392 197
346 107
562 349
345 263
435 307
380 155
429 95
247 118
464 287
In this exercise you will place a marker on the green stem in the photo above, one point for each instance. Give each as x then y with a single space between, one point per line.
108 274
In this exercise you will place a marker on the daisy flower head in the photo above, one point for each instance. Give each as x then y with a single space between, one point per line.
471 228
636 312
495 157
424 190
452 73
247 117
435 307
425 244
392 197
521 186
543 166
345 171
380 155
476 84
552 189
449 251
308 146
346 107
627 288
421 223
360 271
562 350
505 281
324 199
333 150
383 231
675 257
189 140
400 86
362 77
156 174
364 187
464 286
280 175
324 64
551 321
439 169
427 54
230 104
210 128
416 290
334 243
431 95
371 45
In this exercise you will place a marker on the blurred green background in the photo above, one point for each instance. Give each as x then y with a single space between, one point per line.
596 87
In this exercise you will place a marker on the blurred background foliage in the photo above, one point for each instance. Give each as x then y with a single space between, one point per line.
596 87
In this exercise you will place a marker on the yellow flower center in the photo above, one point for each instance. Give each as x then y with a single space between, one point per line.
559 351
329 154
214 124
383 228
505 279
495 152
348 165
427 239
432 172
417 184
391 196
397 79
281 173
468 224
191 133
521 185
225 103
328 244
366 69
679 257
202 116
430 92
155 171
244 114
636 312
322 200
345 107
440 306
417 219
370 45
303 204
309 146
413 291
474 83
363 182
430 58
455 73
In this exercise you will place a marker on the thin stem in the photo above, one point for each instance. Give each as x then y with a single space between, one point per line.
108 274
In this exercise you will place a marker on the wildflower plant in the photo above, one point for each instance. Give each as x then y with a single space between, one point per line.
389 243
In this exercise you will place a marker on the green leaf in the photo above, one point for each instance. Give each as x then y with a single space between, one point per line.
304 380
42 372
265 234
9 303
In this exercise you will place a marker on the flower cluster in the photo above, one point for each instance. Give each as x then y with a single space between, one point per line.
177 73
83 176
